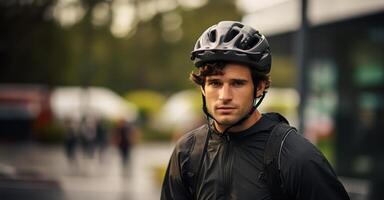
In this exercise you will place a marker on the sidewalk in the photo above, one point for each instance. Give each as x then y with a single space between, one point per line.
96 178
44 173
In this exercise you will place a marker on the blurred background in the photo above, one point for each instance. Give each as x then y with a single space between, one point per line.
94 93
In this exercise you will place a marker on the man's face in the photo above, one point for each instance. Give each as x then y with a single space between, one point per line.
229 96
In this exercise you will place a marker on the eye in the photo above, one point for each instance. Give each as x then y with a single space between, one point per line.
214 83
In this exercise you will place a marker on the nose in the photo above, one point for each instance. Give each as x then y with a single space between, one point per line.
225 93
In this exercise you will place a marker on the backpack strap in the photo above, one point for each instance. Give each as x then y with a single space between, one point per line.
197 156
272 159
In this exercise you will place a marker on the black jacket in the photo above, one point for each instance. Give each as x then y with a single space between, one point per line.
233 166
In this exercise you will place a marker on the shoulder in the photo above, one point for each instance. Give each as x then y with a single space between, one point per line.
299 147
298 152
188 140
306 173
183 152
275 117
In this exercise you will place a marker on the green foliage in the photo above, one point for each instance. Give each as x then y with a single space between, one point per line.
36 49
149 135
327 147
148 102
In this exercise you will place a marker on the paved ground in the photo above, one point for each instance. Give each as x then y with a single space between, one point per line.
32 171
35 172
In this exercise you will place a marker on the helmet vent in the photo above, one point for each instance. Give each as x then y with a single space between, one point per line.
250 43
212 36
238 43
231 34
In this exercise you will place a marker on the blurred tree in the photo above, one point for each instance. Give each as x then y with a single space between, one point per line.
29 44
148 102
84 42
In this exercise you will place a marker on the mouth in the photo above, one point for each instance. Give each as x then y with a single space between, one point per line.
225 109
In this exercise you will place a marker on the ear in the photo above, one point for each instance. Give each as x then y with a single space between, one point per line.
260 89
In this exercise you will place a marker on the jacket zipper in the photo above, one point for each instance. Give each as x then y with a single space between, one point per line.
228 160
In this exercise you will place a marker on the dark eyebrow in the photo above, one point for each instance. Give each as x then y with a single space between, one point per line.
212 79
240 80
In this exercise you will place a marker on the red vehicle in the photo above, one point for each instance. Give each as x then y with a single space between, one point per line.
24 109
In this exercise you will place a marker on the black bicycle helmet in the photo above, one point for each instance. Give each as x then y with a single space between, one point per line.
235 42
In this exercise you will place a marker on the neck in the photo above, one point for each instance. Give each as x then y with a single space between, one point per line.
255 117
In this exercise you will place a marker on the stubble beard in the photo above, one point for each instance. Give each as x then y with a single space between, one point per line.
226 121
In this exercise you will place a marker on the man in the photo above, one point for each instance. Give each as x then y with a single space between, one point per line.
225 158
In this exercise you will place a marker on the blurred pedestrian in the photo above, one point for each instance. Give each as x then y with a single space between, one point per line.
101 139
126 135
241 153
88 136
71 139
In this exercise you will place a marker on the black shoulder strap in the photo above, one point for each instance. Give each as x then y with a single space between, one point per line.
197 155
272 159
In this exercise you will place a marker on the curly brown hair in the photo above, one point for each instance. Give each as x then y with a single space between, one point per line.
216 68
